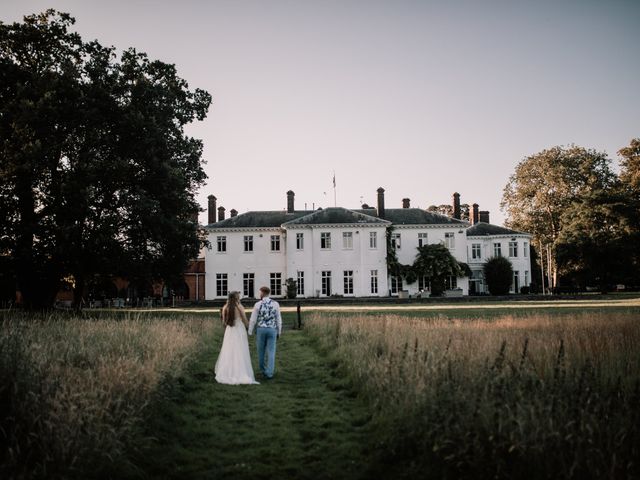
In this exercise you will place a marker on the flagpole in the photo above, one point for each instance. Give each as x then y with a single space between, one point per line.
335 202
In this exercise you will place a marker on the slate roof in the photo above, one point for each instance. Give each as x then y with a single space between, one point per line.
336 215
259 219
417 216
486 229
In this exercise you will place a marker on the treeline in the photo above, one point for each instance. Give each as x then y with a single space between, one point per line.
97 176
581 212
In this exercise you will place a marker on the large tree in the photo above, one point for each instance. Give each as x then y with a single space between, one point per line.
97 176
594 244
544 186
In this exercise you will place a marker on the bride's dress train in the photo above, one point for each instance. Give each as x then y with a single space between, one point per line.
233 366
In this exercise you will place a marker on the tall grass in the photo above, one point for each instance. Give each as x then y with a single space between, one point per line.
72 391
513 397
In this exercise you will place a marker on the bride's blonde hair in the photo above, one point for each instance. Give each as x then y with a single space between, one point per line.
233 303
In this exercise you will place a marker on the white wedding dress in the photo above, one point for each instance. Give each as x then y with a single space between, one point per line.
233 366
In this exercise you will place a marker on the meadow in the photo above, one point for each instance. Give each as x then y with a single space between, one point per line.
528 396
510 392
73 391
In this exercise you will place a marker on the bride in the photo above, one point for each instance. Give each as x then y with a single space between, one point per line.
233 366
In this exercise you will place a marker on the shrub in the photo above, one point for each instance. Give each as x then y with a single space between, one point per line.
292 288
498 273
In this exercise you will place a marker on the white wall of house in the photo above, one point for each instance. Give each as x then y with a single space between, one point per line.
409 241
352 254
235 262
521 262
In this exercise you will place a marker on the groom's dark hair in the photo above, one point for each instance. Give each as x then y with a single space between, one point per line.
265 290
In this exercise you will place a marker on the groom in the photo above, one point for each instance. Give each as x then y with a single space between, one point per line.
266 313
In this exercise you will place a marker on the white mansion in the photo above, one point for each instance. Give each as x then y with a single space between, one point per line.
340 251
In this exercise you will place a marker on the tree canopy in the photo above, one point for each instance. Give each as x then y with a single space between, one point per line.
570 199
97 174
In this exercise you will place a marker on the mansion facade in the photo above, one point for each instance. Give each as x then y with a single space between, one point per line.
340 251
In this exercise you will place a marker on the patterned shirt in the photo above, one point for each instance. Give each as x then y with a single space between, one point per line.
266 313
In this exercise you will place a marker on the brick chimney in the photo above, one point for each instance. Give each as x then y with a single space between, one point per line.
211 209
381 202
456 206
484 216
221 213
475 215
406 202
233 212
290 201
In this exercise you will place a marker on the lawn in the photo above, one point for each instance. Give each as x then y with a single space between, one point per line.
305 423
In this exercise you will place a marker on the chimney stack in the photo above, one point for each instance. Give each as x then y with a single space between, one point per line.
456 206
220 214
406 202
212 209
233 212
475 214
484 216
381 202
290 201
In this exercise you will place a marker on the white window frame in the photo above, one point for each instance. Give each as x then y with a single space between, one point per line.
347 283
246 277
347 240
513 249
497 252
299 241
221 244
248 242
423 239
374 281
275 283
275 241
325 240
476 251
450 240
222 284
300 283
326 283
373 240
396 241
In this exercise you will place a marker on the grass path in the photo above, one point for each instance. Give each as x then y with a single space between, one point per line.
305 423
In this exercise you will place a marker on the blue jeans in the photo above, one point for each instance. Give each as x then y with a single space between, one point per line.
266 342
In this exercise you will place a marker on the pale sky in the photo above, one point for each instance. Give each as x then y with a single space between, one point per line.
421 98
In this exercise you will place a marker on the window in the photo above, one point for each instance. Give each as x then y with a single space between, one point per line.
516 281
275 244
497 249
424 284
326 283
396 284
300 283
222 285
422 239
348 282
248 285
374 281
395 241
276 284
476 251
452 282
513 249
222 243
325 240
373 239
526 278
248 243
525 249
347 240
299 241
450 240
